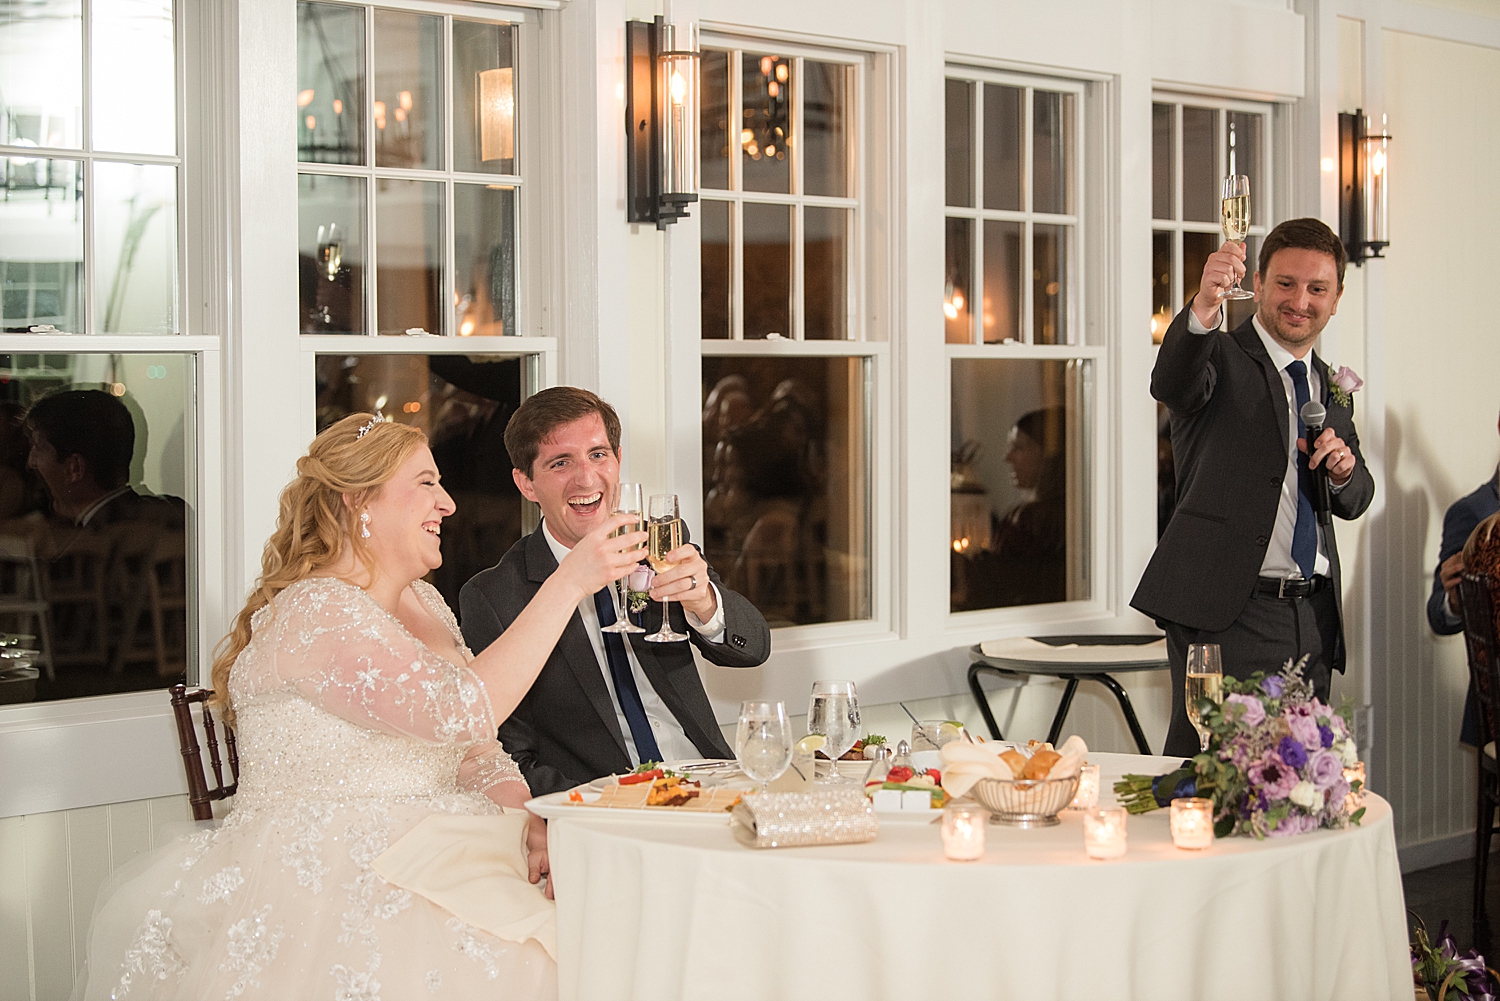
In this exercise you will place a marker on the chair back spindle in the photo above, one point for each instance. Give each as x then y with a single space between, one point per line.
199 794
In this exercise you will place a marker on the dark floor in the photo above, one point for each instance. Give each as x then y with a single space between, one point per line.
1446 892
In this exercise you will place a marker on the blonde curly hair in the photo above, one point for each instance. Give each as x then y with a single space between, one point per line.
316 527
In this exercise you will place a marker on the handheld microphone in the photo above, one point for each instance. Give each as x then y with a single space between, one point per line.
1313 415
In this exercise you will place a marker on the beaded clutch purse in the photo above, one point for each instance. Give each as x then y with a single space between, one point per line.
799 819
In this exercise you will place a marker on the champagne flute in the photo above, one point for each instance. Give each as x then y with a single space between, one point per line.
1205 680
833 711
664 534
1234 216
763 741
626 500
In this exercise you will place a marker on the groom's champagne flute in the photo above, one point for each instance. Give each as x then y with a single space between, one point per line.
1205 680
664 534
1234 216
627 500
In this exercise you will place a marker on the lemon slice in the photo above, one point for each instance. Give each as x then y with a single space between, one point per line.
951 730
812 743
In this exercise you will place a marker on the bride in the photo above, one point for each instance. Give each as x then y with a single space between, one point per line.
359 715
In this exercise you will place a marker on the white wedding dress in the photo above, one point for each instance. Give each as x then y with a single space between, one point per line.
350 732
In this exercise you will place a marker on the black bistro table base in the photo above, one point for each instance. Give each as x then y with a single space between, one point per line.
1006 667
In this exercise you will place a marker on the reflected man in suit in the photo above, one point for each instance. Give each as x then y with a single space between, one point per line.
1244 562
604 702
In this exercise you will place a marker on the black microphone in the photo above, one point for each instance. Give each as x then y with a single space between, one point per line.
1313 415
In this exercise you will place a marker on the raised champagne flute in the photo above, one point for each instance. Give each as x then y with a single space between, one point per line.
1234 216
626 499
663 534
1205 680
763 741
833 711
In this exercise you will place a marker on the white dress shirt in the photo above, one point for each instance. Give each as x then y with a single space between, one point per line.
671 740
1278 561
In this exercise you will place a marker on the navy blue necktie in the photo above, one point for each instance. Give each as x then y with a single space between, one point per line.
625 690
1305 534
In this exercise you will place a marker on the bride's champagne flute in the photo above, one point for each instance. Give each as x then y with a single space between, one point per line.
626 500
664 534
1205 680
1234 216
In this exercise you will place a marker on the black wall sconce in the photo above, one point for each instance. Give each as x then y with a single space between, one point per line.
661 124
1364 212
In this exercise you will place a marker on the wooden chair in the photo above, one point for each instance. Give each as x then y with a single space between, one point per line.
23 597
1484 674
199 794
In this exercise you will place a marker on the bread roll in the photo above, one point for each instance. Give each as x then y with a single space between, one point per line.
1040 764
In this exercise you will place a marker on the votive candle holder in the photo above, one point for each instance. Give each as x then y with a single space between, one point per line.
1104 832
1193 823
1088 789
963 831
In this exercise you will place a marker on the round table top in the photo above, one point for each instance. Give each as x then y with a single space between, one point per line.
1066 655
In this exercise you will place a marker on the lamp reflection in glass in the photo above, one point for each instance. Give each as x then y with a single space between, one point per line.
330 250
497 114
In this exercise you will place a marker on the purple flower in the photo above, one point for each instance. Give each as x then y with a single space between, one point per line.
1346 379
640 579
1324 769
1303 726
1297 823
1325 734
1336 794
1254 713
1273 686
1292 752
1272 776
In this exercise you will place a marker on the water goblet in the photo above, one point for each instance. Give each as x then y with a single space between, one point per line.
833 711
763 741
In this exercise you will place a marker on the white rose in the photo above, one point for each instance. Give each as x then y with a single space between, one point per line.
1348 753
1306 795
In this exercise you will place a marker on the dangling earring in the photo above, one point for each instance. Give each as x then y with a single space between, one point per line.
364 525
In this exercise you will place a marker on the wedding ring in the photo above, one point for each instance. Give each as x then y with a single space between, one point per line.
694 585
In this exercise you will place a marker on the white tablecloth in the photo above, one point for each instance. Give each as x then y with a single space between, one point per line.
660 908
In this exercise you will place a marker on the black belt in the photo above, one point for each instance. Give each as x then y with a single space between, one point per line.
1289 587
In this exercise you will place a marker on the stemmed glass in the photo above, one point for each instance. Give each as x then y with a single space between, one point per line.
626 500
664 534
833 711
763 741
1205 680
1234 216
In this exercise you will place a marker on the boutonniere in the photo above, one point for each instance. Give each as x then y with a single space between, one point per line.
1344 383
638 588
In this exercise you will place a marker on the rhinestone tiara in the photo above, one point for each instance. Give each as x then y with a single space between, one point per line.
367 428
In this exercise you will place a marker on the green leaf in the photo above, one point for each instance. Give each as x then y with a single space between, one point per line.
1356 815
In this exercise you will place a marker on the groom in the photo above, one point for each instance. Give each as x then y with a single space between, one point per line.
604 702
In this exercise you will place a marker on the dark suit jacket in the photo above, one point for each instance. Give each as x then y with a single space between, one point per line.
1458 525
565 730
1229 440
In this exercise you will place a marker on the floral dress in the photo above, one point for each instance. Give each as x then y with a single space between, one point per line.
350 732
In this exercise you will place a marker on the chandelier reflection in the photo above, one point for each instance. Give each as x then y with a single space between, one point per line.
767 127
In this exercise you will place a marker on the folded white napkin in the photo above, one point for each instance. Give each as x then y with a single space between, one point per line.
965 764
474 868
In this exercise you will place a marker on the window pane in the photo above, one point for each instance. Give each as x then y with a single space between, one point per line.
1018 530
1200 165
1049 297
1052 152
825 111
825 274
1161 162
331 253
133 42
408 90
959 131
135 248
1162 307
330 83
1003 142
1002 281
786 493
1196 248
41 73
463 404
957 289
41 245
1247 153
484 98
713 121
714 269
94 553
766 91
408 256
768 270
484 256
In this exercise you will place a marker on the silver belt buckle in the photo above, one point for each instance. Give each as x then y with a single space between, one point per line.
1281 587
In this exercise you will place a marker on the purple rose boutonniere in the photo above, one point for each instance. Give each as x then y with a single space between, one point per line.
1344 383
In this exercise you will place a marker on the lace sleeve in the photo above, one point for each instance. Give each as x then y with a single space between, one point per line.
487 768
346 654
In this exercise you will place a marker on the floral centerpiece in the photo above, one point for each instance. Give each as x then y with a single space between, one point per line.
1274 765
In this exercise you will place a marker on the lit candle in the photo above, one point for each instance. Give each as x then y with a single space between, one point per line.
963 831
1088 789
1356 798
1104 832
1193 823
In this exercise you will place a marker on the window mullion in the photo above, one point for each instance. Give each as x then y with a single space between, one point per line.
797 119
1177 288
448 313
736 205
1028 263
371 292
976 236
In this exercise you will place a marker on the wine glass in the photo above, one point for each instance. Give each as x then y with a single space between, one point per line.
1234 216
1205 680
763 741
833 711
626 499
664 534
